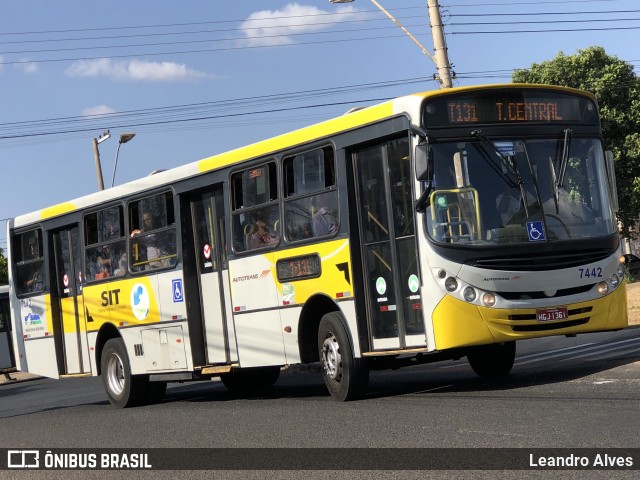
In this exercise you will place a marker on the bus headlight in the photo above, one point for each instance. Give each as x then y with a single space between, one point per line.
614 281
489 299
621 270
451 284
603 288
469 294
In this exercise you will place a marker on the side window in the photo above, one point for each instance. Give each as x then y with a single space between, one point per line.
311 198
255 217
29 262
152 233
105 248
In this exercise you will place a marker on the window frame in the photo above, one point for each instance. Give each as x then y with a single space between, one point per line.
289 198
101 242
272 204
134 233
19 265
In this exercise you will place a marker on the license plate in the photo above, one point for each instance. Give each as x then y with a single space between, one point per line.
550 314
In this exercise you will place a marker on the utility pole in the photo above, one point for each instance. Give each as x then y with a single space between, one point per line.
440 58
96 155
439 45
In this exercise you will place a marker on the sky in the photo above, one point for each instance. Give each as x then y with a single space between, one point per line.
199 77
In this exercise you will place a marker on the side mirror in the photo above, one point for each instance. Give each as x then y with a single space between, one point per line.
423 162
424 173
611 175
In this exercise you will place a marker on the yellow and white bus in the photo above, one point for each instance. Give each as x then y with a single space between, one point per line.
434 226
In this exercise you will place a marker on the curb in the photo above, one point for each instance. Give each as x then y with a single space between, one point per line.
15 377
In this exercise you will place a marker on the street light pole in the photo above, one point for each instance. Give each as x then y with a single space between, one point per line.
441 58
124 138
96 154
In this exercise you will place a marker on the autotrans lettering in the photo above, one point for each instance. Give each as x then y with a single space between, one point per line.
255 276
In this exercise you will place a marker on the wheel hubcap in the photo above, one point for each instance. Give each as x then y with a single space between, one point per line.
115 374
331 359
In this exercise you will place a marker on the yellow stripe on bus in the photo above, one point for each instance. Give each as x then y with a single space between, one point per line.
56 210
352 120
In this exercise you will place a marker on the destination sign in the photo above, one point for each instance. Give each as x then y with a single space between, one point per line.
509 107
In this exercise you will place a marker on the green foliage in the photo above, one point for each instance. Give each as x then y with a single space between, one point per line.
4 273
617 89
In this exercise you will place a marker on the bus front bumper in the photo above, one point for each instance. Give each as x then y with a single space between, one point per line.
458 324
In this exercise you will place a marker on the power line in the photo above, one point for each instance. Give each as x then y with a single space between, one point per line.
528 14
546 30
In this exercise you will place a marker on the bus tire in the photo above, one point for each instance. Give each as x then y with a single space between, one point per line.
492 361
123 389
250 381
345 376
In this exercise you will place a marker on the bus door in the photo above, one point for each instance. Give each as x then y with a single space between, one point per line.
389 251
66 288
6 348
206 271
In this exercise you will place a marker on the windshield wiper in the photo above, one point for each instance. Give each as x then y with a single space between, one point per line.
507 169
566 148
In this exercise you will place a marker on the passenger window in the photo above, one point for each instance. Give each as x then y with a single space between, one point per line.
255 216
105 245
311 198
29 260
152 233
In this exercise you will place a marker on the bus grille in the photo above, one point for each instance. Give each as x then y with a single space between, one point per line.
563 292
543 327
549 261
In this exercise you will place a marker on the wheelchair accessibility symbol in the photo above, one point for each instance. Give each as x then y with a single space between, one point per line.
535 231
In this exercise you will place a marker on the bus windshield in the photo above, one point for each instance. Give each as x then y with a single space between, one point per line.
518 191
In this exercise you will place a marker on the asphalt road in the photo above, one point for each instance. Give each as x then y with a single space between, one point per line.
562 393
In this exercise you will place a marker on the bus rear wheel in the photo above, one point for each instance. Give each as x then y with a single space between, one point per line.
345 376
492 361
123 389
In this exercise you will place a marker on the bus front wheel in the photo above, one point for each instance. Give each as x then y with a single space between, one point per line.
492 361
123 389
345 376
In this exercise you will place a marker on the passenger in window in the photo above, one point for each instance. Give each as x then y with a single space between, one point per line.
122 266
158 246
262 235
148 224
325 221
35 281
105 262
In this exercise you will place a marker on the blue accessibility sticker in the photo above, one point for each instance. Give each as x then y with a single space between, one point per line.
178 293
535 231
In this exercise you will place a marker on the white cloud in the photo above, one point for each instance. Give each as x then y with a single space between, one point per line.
97 110
1 64
135 70
26 66
274 27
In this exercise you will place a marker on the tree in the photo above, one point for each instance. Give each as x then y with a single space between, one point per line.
617 89
4 272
